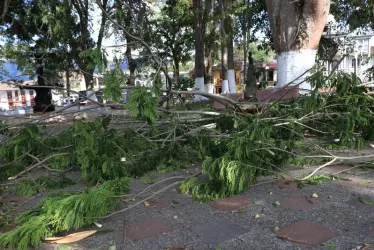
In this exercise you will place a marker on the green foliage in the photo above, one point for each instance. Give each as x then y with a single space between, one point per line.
185 83
263 55
28 187
117 186
174 156
172 32
143 102
62 212
317 180
28 234
96 150
260 143
232 164
95 57
366 202
9 170
146 180
27 141
113 81
91 146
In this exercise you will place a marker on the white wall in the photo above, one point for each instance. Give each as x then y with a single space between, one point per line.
4 100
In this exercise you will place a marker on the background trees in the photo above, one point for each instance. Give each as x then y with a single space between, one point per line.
59 29
172 34
214 29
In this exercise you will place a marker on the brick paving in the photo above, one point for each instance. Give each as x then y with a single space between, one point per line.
336 219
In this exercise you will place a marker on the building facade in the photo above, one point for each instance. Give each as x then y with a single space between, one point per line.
12 98
354 54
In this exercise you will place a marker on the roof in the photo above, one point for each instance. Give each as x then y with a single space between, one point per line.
271 65
11 85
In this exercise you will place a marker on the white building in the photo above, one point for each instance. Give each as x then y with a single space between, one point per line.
357 50
12 97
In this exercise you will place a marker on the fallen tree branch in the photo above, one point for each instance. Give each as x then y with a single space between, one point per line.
35 165
147 198
219 98
317 169
198 112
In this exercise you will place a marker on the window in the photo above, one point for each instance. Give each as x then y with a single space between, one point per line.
271 75
354 62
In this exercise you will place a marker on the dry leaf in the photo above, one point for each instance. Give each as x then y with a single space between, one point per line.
70 238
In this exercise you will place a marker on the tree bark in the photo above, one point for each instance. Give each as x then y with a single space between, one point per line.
199 48
88 77
67 75
176 71
229 43
296 28
210 25
82 9
224 55
251 86
130 61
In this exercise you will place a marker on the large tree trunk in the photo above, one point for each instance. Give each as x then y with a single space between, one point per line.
209 70
228 24
88 77
209 36
82 9
251 87
130 61
296 28
176 74
224 59
199 48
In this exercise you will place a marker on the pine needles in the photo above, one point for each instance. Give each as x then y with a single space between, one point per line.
29 187
28 234
61 212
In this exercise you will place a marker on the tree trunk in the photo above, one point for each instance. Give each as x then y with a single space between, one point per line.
102 25
67 75
130 61
296 28
250 87
224 59
209 71
176 71
88 77
209 44
245 52
199 48
229 43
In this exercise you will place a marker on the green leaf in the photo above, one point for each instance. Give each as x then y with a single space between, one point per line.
366 202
